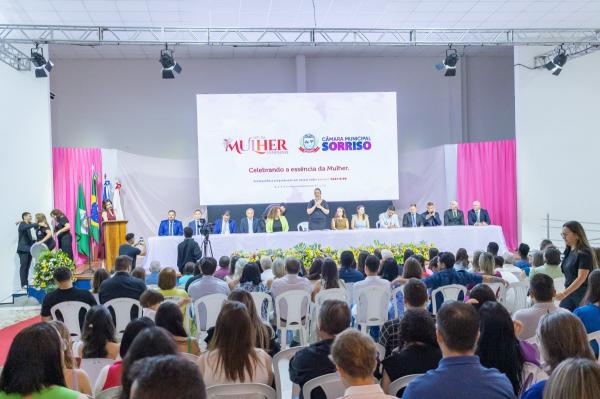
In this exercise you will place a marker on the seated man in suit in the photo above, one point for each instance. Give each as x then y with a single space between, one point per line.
454 216
250 224
121 284
478 216
197 222
431 217
188 250
170 226
412 218
225 225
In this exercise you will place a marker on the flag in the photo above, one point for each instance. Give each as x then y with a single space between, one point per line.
94 214
117 206
81 225
106 193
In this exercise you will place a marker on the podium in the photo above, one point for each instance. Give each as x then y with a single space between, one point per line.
114 236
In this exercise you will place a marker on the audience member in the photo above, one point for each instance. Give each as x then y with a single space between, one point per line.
167 284
574 378
291 281
434 265
362 256
110 376
188 250
347 271
498 260
475 264
150 300
266 264
197 276
139 273
313 361
251 280
389 269
152 341
355 359
493 248
315 270
578 261
121 284
75 378
419 352
207 284
98 335
188 273
132 249
487 265
233 358
456 332
169 317
541 291
330 278
99 276
414 297
561 336
223 270
537 259
152 278
523 263
34 366
162 377
462 260
551 265
234 279
372 280
65 292
481 294
545 244
589 314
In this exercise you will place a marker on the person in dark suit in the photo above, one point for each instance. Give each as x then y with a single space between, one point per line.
431 217
478 216
454 216
170 226
412 218
250 224
225 225
197 222
188 250
121 284
27 236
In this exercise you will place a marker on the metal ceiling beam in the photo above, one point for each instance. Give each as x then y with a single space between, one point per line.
14 57
115 35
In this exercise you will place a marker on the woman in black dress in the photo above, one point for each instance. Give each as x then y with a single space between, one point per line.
63 232
43 231
578 262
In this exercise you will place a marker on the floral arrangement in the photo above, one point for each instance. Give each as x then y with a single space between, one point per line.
307 253
46 264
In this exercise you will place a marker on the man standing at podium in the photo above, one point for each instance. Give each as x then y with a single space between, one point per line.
197 222
170 226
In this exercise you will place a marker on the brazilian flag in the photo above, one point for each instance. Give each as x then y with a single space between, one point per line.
81 225
94 213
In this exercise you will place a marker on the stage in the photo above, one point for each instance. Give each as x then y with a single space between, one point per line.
446 238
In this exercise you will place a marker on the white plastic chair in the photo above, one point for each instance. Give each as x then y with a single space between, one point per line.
499 291
372 307
331 384
206 311
122 308
259 299
235 391
531 374
516 296
323 295
395 306
93 367
401 383
296 318
302 226
559 286
449 292
594 336
70 316
281 366
110 393
350 292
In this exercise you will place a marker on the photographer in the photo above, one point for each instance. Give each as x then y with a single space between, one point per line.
132 249
188 250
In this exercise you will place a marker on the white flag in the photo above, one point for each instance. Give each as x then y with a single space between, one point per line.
116 201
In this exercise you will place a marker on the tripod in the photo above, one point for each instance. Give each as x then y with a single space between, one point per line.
206 246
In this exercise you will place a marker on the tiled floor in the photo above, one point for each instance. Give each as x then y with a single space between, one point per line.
24 308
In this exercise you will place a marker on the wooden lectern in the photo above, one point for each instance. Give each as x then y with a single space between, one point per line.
114 236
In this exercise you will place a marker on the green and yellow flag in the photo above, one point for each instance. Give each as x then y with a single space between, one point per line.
81 225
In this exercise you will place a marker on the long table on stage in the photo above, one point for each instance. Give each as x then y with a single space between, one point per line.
447 238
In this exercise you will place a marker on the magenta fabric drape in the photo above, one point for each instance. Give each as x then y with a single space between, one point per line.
486 172
72 166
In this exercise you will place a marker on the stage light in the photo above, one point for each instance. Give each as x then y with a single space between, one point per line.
557 63
168 64
41 65
449 63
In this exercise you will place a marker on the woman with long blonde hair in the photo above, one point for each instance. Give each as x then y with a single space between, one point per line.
44 232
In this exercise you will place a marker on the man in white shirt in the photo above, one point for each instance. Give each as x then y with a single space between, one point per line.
267 266
389 219
290 282
541 289
207 284
372 280
355 359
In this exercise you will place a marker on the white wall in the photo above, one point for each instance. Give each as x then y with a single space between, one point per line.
25 161
124 104
558 136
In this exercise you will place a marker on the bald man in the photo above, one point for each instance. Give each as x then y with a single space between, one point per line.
478 216
454 216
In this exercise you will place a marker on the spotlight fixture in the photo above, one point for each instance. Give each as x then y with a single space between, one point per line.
41 65
557 63
449 63
168 64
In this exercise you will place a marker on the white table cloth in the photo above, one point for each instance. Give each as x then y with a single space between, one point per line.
446 238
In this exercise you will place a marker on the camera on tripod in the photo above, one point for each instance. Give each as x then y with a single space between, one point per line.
207 229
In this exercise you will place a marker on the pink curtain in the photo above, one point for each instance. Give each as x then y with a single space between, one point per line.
487 172
72 166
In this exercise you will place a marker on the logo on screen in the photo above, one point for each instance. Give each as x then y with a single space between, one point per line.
257 144
347 143
309 143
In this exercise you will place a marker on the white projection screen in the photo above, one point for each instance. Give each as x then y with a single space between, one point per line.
264 148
